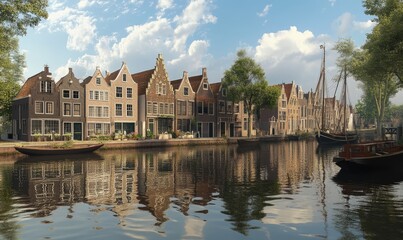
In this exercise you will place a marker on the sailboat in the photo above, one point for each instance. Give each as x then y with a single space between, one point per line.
325 133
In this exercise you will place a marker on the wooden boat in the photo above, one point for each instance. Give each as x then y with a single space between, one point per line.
325 135
43 151
370 154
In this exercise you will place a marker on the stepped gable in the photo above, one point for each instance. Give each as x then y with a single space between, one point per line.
142 79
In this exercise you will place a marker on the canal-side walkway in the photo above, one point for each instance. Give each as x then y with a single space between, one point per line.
7 147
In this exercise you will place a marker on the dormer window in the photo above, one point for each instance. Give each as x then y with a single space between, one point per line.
46 86
205 86
186 91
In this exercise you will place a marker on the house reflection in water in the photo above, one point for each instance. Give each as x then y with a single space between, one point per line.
185 179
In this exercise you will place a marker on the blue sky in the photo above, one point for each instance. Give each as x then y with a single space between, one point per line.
283 36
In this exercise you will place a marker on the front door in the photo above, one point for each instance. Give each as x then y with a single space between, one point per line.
231 129
78 131
222 129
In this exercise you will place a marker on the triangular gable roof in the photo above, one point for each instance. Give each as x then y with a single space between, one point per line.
215 87
195 82
288 89
112 76
176 83
86 80
142 79
29 84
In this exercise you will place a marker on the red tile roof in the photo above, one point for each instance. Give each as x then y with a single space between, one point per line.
30 83
142 79
176 83
112 76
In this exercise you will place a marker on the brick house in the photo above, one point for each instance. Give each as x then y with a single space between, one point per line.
72 102
123 99
225 111
155 100
36 108
97 105
184 104
205 105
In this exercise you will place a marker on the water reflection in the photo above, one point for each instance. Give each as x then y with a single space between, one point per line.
283 190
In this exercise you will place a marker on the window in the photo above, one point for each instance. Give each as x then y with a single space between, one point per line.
36 126
166 108
101 95
205 86
171 108
221 107
224 92
91 111
164 89
98 81
39 108
66 109
98 111
200 108
129 110
211 108
76 94
119 92
66 128
124 77
205 108
161 108
51 126
159 89
129 92
155 108
181 105
149 107
118 110
186 91
96 95
106 96
236 108
229 107
105 112
191 108
66 93
76 109
49 107
46 86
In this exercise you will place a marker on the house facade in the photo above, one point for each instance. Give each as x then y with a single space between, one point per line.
156 100
205 105
184 105
97 93
36 108
71 105
123 101
224 112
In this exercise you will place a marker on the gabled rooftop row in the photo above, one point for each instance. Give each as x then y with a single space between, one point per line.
146 103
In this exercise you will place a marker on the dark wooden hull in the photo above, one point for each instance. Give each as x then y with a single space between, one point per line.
329 138
32 151
389 160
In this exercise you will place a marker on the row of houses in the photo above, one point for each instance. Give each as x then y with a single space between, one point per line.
149 104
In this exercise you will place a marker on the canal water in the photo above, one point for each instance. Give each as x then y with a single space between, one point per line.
285 190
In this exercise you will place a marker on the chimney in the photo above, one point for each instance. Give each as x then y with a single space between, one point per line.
46 69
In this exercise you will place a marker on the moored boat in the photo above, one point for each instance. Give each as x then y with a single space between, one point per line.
43 151
370 154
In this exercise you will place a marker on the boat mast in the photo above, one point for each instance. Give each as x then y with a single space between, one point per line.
345 98
323 85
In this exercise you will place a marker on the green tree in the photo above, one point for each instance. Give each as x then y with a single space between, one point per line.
245 82
384 44
380 86
15 18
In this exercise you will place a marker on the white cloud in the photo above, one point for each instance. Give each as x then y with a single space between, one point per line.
345 25
164 4
195 14
332 2
79 26
265 11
